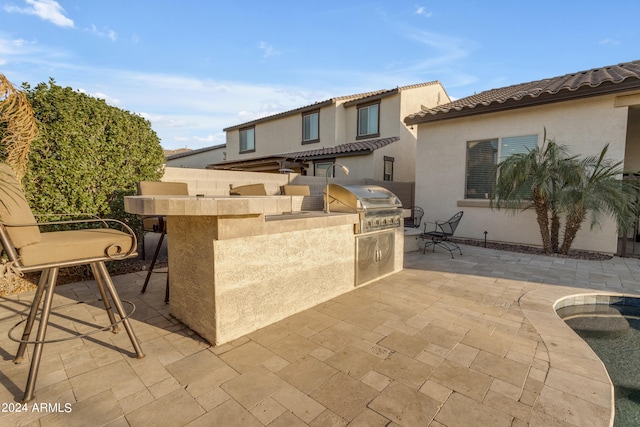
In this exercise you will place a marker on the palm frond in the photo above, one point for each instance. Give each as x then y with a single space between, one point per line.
21 126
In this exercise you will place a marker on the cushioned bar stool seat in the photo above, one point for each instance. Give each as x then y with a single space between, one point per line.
65 246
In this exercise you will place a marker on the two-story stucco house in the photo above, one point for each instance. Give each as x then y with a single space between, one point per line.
459 142
364 132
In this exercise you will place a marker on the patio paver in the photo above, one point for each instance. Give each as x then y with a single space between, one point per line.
446 342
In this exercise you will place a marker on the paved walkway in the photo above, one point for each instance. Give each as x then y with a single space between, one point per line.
470 341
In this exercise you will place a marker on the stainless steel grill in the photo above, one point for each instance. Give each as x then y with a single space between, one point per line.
379 208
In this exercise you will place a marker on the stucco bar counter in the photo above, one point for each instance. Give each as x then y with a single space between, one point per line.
237 264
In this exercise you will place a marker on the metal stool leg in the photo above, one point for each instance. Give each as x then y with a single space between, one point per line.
102 269
35 305
166 290
42 331
103 295
153 263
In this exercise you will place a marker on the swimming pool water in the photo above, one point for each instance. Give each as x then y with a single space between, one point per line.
613 332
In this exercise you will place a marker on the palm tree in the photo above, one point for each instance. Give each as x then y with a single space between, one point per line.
536 179
600 192
559 185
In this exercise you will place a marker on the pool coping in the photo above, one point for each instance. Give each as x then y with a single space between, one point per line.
576 373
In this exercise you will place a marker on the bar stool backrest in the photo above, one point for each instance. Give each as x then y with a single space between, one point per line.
160 188
14 210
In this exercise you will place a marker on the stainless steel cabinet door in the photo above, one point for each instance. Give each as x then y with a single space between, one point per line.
374 255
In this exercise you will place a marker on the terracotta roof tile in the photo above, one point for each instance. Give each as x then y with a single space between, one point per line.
524 93
351 147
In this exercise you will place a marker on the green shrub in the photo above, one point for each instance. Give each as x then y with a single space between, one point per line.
88 154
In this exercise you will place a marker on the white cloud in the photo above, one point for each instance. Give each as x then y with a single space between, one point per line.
12 48
49 10
609 42
267 50
28 58
105 32
218 138
99 95
107 98
164 120
442 55
422 11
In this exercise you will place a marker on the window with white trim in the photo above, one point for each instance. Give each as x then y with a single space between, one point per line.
310 127
247 140
368 120
484 155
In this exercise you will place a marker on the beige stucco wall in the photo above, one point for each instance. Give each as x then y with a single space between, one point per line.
584 125
284 135
404 154
429 96
273 137
389 116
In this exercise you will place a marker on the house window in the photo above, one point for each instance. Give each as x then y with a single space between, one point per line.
388 168
484 155
310 127
368 123
247 140
322 168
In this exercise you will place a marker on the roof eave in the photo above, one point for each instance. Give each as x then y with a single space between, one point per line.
296 111
606 88
371 98
332 155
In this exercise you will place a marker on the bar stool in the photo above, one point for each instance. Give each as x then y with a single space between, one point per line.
29 250
158 224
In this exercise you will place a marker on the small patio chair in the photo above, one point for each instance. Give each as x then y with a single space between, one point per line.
90 242
415 219
158 224
442 233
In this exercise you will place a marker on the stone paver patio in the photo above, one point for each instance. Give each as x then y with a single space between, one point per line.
470 341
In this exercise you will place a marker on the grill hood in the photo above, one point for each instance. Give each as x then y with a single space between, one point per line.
361 198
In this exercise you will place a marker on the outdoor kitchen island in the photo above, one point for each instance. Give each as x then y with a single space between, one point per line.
239 263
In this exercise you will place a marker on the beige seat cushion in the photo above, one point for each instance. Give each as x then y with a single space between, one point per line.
14 209
162 188
296 190
75 245
248 190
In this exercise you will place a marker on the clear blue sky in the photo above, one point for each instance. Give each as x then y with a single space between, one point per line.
195 67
